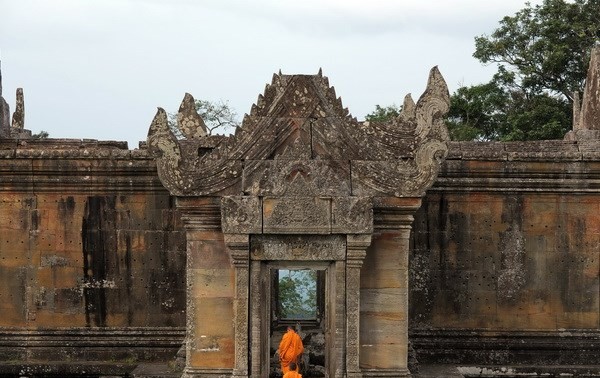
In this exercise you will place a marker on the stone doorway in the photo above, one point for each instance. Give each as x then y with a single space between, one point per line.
299 298
316 265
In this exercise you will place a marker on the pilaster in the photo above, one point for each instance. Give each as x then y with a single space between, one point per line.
355 254
238 246
209 343
384 290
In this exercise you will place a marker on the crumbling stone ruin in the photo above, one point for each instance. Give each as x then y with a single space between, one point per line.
17 130
586 114
480 255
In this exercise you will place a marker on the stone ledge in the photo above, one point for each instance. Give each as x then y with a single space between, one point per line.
76 345
503 175
66 369
539 150
69 148
481 347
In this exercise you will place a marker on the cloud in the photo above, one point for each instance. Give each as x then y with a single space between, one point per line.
352 18
98 69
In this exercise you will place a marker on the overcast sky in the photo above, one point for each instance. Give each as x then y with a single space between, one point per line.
99 69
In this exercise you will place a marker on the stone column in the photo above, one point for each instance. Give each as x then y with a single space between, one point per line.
384 289
355 254
238 245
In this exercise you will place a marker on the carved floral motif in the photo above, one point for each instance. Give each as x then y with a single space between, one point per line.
306 248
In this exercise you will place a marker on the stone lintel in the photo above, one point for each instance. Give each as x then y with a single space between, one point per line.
304 248
297 215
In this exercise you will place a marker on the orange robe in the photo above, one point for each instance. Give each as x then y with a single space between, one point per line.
290 348
292 374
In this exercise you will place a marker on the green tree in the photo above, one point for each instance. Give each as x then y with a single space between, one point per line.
545 48
382 114
217 116
492 112
297 293
476 112
542 54
41 135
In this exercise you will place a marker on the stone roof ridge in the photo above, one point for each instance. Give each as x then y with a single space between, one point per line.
287 96
283 85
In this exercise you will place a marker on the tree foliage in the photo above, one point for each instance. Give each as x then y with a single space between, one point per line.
297 293
542 54
41 135
383 114
476 112
545 48
217 116
492 112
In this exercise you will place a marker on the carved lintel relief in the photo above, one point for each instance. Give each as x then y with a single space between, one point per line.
302 248
300 184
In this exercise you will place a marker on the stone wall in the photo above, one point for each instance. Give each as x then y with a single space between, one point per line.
504 262
505 259
92 255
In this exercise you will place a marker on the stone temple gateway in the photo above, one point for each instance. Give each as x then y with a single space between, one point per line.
498 274
301 184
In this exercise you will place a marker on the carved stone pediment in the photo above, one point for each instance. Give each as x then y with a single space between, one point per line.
296 215
298 140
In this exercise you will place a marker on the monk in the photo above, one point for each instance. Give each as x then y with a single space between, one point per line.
290 350
292 373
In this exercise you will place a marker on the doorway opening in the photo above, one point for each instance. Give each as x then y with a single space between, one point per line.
298 299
